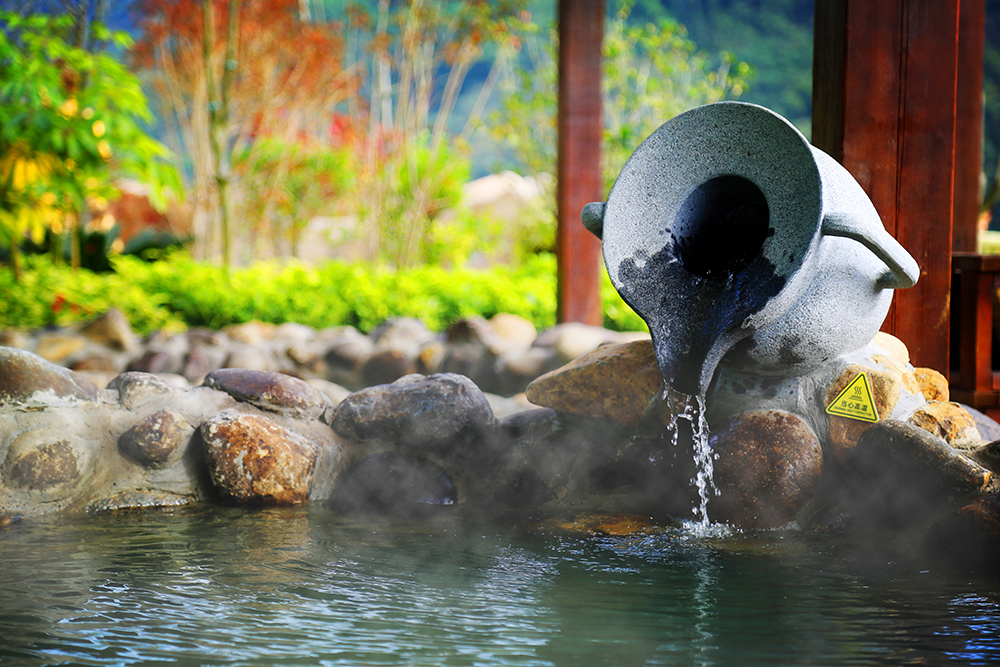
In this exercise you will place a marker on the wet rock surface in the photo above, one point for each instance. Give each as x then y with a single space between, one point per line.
602 436
253 460
616 381
768 465
158 439
420 413
902 475
28 378
274 392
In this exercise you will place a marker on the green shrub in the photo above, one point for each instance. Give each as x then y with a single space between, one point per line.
182 292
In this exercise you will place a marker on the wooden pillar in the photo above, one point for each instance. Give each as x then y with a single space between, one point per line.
884 91
581 31
969 123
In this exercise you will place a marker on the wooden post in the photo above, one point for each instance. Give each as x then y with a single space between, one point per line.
969 124
884 91
581 31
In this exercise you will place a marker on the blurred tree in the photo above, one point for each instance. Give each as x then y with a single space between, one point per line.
652 72
268 73
69 119
315 181
410 60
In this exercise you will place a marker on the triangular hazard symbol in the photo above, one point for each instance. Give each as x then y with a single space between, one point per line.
855 401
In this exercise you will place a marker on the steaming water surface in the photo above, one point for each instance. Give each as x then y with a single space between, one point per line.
218 586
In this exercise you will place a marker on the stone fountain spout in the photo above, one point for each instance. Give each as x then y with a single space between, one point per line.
742 246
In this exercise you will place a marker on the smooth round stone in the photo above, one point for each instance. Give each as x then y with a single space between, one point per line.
275 392
158 440
111 329
27 378
388 365
768 465
416 412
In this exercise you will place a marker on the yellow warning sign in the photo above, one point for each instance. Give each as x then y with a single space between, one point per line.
855 401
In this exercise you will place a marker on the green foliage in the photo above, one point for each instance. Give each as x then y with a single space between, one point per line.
57 295
285 184
181 292
69 119
411 188
652 72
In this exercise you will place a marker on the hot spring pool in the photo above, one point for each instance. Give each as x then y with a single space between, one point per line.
305 586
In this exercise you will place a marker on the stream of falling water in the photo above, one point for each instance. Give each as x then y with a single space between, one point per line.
692 409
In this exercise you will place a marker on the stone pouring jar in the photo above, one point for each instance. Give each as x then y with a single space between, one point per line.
744 247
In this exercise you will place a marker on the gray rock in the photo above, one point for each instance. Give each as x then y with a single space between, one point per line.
989 429
274 392
156 361
406 334
27 379
394 483
417 413
346 357
387 365
249 357
136 390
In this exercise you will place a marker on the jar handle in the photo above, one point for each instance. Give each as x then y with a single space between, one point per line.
903 269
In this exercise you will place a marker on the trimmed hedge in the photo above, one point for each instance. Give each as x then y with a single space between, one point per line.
180 292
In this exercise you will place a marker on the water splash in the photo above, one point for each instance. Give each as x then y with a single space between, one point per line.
692 409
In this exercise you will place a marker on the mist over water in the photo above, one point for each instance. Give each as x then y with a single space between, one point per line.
219 586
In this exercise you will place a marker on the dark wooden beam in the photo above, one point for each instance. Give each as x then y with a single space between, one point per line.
969 124
581 31
884 97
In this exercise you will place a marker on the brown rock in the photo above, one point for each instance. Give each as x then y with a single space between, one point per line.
254 332
949 421
48 464
57 346
600 523
900 475
969 537
112 329
252 460
157 440
387 365
768 465
615 381
933 385
844 431
430 357
28 378
275 392
95 362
